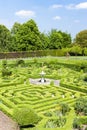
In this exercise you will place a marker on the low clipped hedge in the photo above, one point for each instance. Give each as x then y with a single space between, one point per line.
57 52
73 51
73 87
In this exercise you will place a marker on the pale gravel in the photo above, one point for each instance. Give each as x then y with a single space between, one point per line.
6 123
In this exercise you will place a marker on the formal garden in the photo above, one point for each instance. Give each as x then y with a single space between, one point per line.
53 106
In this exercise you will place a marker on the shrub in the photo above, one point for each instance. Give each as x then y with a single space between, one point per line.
81 106
35 60
6 72
48 114
4 63
76 123
83 120
64 108
25 116
85 51
75 50
54 123
85 78
20 62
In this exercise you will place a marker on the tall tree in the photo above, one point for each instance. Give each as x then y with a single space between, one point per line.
81 38
59 39
28 37
45 41
16 27
66 39
55 39
5 38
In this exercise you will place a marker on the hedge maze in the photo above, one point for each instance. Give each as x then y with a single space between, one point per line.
16 91
39 97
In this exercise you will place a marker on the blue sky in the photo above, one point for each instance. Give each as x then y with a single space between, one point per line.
65 15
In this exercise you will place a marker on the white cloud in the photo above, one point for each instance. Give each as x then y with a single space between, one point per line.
25 13
76 21
81 5
77 6
55 6
71 6
56 18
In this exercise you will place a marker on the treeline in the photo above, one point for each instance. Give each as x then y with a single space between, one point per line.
27 37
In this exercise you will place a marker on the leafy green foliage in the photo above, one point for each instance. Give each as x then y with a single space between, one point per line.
54 123
64 108
28 37
48 114
45 41
25 116
5 38
75 50
58 39
81 38
85 78
20 62
15 28
4 63
5 70
76 123
81 106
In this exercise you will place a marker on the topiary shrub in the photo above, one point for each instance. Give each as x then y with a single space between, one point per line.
4 63
20 62
5 70
25 116
85 78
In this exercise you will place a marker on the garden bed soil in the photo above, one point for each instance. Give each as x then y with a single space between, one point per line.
6 123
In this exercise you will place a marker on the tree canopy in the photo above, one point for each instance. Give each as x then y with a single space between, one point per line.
27 36
81 38
59 39
5 38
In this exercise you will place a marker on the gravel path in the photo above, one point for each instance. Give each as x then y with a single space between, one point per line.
7 123
48 81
